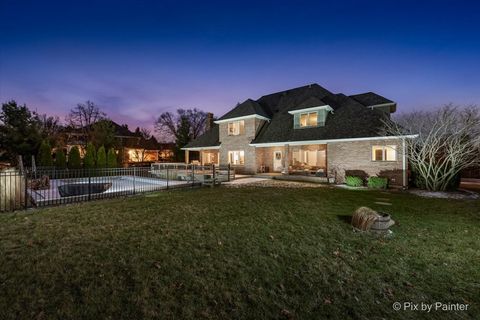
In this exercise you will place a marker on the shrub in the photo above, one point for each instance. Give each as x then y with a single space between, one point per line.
74 158
89 159
101 157
353 181
111 158
357 173
377 183
60 159
45 155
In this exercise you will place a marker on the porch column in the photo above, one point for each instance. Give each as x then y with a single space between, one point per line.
187 156
200 157
286 160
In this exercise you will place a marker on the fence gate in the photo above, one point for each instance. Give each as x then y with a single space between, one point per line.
13 190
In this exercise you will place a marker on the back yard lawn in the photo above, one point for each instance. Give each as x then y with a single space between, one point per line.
239 253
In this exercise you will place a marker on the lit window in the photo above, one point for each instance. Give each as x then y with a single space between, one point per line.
236 157
384 153
308 119
236 128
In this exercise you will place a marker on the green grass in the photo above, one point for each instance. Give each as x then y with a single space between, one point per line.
238 253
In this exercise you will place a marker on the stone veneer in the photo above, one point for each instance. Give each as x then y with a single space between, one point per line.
357 155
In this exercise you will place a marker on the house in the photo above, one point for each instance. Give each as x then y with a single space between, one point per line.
132 148
306 131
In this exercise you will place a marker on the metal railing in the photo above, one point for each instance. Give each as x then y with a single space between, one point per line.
52 186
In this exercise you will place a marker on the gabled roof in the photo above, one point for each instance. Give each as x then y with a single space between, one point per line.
289 99
246 108
310 102
208 139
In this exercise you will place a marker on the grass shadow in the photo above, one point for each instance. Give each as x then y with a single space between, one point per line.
345 218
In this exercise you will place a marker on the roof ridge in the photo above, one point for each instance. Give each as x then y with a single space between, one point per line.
296 88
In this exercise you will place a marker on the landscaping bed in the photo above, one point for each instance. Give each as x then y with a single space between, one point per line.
218 253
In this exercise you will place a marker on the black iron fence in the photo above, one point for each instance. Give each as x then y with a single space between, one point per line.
50 186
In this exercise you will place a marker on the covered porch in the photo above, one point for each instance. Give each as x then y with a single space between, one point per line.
303 160
205 156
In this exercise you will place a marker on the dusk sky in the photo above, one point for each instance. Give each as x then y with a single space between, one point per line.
137 59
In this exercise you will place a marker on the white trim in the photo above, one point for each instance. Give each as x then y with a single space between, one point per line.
242 118
388 104
201 148
299 143
324 107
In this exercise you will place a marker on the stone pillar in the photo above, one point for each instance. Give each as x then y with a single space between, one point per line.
187 156
286 159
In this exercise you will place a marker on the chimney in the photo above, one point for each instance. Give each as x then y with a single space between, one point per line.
209 122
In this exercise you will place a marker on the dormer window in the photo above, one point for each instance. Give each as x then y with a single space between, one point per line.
236 128
308 119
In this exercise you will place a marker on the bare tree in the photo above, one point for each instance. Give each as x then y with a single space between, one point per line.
49 126
145 133
168 123
197 120
448 141
83 116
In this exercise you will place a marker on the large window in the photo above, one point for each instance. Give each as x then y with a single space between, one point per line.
384 153
308 119
236 157
236 128
311 158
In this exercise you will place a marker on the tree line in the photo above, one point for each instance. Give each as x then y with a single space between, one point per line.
94 158
32 135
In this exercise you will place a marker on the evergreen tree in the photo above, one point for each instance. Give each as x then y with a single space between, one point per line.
19 133
60 159
74 158
89 159
45 155
111 158
182 137
101 157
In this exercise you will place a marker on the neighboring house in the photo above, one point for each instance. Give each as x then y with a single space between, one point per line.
132 147
309 131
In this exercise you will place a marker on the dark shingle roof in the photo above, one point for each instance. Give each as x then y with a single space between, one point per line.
246 108
310 102
208 139
350 117
289 99
369 99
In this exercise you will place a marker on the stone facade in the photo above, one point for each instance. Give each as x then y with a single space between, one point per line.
357 155
340 156
240 143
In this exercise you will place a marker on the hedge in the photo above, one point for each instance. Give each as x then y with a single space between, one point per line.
353 181
377 183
